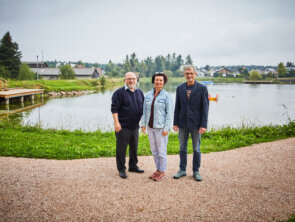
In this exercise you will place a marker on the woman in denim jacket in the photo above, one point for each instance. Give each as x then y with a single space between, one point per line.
157 117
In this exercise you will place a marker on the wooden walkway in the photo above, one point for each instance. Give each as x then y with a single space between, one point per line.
14 93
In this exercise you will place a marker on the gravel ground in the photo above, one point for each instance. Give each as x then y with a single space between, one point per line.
255 183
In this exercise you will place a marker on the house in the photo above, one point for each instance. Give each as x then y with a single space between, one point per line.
81 73
211 72
202 72
37 65
270 72
223 71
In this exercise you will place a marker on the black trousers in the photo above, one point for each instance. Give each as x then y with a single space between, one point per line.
124 138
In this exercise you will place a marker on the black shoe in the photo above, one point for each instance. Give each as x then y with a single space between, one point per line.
123 175
136 170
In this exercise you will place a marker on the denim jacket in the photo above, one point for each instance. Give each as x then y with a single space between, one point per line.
162 110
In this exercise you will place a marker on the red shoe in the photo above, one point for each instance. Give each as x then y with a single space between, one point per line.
160 176
155 174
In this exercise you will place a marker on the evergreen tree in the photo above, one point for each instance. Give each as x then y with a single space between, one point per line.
10 56
168 62
160 64
150 66
188 60
142 68
127 65
133 61
173 63
289 64
179 62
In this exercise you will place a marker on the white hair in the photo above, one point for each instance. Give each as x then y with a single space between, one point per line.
185 67
129 73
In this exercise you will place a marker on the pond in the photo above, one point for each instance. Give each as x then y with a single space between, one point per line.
238 105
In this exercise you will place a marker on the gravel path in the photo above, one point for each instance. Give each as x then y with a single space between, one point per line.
255 183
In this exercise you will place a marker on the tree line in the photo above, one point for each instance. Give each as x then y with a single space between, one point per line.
11 66
170 64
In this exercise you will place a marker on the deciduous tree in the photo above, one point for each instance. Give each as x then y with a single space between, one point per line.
67 72
282 70
25 73
255 75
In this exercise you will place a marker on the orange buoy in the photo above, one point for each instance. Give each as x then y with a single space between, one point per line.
213 98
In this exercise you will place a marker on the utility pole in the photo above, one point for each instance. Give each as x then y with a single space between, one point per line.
37 67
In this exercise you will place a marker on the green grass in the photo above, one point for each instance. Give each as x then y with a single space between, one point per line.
291 218
64 85
95 84
34 142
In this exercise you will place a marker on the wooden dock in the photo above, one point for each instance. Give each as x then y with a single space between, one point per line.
19 93
22 109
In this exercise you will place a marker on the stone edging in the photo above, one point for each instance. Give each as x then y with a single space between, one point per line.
69 93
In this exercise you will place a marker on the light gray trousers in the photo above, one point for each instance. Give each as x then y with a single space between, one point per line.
158 145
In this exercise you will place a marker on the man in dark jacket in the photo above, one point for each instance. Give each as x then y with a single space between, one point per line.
190 116
127 104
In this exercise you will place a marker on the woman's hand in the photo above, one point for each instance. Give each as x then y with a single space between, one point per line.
164 133
143 129
175 128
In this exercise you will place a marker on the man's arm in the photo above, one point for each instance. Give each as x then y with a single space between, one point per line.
176 111
115 110
205 110
117 124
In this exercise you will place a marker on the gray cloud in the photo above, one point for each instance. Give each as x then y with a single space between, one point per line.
212 32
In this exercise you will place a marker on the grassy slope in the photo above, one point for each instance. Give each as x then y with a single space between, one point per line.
33 142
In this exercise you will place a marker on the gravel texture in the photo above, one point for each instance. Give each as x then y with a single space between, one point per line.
255 183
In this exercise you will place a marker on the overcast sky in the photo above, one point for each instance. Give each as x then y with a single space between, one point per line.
213 32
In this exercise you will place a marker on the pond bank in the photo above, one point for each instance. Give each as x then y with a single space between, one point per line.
70 93
34 142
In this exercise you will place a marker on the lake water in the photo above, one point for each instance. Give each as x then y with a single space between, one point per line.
238 104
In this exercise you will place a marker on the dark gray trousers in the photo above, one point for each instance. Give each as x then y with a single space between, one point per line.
124 138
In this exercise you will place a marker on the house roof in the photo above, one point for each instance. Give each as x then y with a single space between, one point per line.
35 63
55 71
222 69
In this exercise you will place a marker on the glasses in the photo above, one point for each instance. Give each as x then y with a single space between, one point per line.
159 72
130 79
189 73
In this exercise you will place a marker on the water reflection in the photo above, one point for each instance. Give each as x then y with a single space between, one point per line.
238 104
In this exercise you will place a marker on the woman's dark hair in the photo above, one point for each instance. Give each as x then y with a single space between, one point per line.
160 74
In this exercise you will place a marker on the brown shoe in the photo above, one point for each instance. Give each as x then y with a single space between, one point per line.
155 174
160 176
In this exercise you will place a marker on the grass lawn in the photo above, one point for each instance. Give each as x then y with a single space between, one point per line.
34 142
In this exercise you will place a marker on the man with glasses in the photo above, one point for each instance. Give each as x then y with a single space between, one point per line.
127 104
190 117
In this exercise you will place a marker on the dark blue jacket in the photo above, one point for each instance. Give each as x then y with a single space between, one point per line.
129 106
192 112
